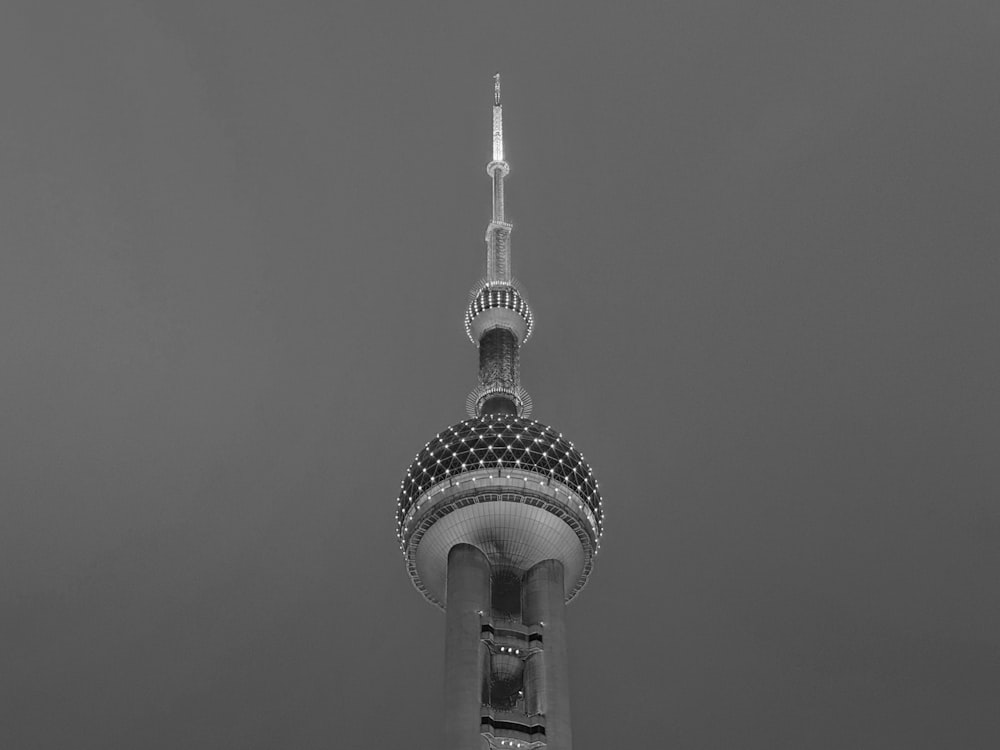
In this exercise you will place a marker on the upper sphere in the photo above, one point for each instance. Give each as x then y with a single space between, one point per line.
498 306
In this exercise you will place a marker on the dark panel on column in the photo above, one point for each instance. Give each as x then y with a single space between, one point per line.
468 594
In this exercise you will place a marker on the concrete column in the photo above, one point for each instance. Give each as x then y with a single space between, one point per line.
534 684
468 594
545 602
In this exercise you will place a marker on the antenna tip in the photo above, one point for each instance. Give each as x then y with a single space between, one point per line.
496 89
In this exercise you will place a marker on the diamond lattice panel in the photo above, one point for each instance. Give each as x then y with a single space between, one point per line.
499 441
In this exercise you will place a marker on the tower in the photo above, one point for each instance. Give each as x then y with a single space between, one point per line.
499 519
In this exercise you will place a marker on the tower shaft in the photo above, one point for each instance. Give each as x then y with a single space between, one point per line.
506 661
499 367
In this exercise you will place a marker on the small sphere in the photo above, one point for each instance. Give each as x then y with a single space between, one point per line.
498 306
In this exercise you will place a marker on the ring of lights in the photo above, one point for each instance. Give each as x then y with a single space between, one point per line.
428 576
500 306
499 441
493 166
478 396
505 743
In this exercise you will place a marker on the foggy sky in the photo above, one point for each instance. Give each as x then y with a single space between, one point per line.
761 243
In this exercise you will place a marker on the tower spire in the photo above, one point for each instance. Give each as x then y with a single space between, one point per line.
497 120
498 319
498 231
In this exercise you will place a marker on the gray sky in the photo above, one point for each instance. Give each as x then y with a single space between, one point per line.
761 242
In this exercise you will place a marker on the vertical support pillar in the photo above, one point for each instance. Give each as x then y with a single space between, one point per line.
534 684
468 594
545 602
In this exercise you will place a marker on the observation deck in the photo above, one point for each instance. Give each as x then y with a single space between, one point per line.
515 488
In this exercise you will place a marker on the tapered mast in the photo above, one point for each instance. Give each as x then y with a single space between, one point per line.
498 319
498 231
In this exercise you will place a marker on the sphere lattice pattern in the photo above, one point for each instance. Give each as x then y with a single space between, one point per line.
498 296
499 441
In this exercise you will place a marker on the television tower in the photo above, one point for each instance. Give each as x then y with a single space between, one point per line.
499 519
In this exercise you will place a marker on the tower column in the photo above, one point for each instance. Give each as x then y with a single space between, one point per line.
468 594
498 207
545 603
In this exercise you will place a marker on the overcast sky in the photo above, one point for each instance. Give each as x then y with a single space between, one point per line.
761 242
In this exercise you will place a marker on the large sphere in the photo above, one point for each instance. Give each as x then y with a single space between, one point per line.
514 488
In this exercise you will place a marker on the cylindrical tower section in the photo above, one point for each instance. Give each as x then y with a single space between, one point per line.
534 684
468 594
498 174
498 320
545 605
499 361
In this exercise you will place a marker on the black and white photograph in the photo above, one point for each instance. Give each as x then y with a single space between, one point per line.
499 375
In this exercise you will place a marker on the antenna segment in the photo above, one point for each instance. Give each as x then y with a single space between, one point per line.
497 120
498 231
